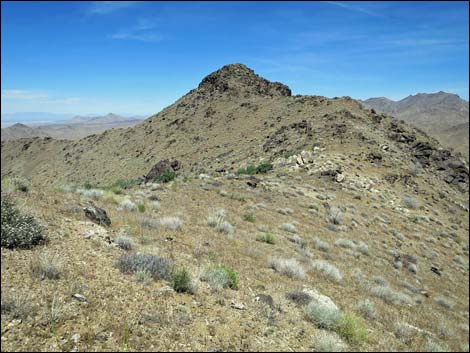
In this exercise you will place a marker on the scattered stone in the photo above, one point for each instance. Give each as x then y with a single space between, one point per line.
80 298
238 306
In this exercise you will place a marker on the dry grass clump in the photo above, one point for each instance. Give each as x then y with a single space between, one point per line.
217 221
326 341
124 243
444 302
170 223
289 227
345 243
327 269
46 266
127 205
288 267
410 202
321 245
157 267
18 305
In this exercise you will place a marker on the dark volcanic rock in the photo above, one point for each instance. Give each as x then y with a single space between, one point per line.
97 215
162 166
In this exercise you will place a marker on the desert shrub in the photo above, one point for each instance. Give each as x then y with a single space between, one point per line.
289 227
46 266
363 248
345 243
268 238
217 221
141 207
328 342
249 217
127 204
171 223
321 245
220 276
410 202
335 216
260 169
264 168
21 184
166 176
327 269
182 282
323 316
285 211
159 268
91 193
18 230
444 302
367 309
125 243
432 346
390 296
124 183
352 329
288 267
18 305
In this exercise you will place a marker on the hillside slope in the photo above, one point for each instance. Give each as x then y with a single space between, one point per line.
436 113
355 240
232 119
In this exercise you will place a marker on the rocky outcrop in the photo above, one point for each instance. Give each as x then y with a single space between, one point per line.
161 167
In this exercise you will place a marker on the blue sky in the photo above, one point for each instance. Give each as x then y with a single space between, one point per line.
138 57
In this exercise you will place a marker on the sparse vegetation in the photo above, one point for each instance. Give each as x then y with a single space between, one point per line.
125 243
288 267
165 177
268 238
18 305
182 281
220 276
327 269
46 267
157 267
259 169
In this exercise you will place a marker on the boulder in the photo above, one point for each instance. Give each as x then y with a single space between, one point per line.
97 215
162 166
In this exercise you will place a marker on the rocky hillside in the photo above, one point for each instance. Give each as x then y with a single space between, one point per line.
439 114
233 118
264 222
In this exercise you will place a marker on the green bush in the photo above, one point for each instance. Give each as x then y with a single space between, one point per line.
19 230
141 207
352 329
165 176
251 169
125 183
268 238
221 276
182 282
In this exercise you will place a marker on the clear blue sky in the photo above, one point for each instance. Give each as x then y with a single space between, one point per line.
138 57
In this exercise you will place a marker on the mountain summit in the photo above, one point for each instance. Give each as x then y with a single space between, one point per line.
238 79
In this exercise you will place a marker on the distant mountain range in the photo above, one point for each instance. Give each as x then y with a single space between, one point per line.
444 116
73 128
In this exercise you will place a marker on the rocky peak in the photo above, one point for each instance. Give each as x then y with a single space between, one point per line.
239 80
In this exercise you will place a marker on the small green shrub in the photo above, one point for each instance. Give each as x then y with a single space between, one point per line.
141 207
260 169
182 281
249 217
221 276
18 230
21 184
125 183
352 329
165 176
268 238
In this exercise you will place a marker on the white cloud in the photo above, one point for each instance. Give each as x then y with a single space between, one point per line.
142 31
105 7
